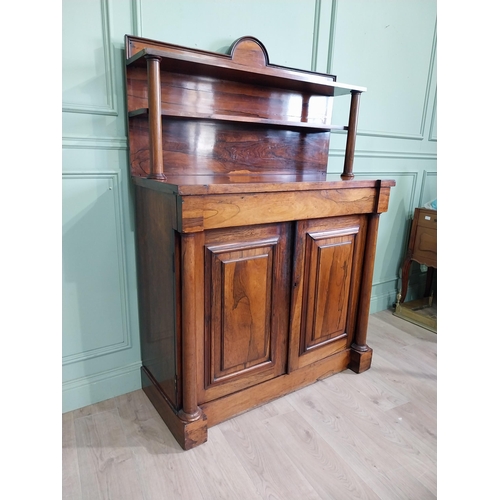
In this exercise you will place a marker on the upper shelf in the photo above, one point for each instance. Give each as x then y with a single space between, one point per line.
247 62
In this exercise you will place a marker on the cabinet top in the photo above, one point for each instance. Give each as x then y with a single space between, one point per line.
247 61
250 184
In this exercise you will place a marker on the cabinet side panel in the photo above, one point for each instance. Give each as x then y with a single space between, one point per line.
138 140
155 245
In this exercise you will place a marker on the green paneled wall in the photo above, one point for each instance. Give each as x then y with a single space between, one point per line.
387 46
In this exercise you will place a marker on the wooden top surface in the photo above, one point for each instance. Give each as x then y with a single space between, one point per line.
247 61
230 184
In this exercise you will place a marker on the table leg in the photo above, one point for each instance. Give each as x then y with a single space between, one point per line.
405 274
428 282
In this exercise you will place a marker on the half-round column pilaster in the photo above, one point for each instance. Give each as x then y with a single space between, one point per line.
190 410
366 284
361 353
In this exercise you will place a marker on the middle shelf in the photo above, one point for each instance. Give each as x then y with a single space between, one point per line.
305 126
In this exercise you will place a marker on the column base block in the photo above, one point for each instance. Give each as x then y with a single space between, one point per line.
360 360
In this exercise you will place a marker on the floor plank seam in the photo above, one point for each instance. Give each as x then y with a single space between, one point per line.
371 435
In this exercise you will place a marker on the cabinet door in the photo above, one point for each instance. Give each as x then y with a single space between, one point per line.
326 278
247 282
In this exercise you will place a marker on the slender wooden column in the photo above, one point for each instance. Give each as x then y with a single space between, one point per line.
366 285
351 137
155 129
190 410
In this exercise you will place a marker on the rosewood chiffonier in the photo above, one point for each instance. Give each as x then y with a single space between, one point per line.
254 264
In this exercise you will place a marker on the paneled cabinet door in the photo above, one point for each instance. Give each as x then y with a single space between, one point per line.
247 282
325 287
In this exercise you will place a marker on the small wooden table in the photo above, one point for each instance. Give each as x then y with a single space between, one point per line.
422 248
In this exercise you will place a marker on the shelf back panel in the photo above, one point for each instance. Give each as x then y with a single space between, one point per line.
199 147
202 96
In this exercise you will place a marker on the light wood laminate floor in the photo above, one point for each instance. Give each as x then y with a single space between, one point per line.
366 436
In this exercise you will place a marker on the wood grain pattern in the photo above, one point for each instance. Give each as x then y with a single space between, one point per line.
329 287
327 267
229 479
104 457
235 113
192 305
249 51
352 427
368 436
154 123
231 210
71 487
244 147
202 97
158 456
157 287
366 288
394 438
275 475
246 308
242 285
315 458
187 433
347 173
227 148
248 66
236 403
188 185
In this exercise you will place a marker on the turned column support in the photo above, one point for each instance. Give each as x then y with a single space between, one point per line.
155 128
361 353
351 136
366 284
190 410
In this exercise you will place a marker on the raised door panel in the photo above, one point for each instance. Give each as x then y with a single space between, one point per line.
246 307
327 269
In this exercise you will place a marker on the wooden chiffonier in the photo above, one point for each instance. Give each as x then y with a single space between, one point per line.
254 265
